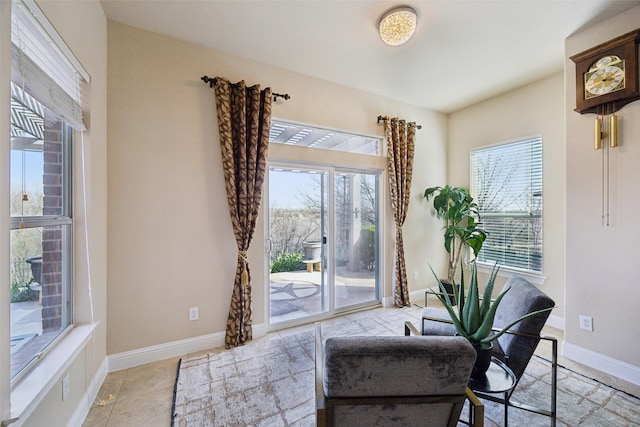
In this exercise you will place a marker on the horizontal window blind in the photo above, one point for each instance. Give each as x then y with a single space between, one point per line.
39 66
506 183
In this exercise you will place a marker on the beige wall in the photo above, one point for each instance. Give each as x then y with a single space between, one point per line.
601 260
535 109
170 241
83 27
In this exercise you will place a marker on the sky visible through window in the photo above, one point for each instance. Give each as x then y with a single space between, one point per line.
286 187
33 162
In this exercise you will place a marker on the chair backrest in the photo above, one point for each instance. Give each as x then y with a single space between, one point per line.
523 298
393 381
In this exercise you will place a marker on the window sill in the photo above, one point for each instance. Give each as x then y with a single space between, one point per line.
534 278
29 392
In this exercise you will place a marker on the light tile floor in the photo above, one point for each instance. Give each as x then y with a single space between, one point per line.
142 396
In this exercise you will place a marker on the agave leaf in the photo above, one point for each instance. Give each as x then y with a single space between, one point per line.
473 319
487 322
506 328
488 290
464 311
461 300
443 297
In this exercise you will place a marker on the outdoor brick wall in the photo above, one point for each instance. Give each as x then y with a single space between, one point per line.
52 236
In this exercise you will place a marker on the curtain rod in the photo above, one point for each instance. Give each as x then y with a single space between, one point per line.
213 80
383 118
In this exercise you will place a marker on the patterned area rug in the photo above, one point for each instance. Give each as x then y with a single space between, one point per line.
270 382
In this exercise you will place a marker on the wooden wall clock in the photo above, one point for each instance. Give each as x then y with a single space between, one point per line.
606 81
607 75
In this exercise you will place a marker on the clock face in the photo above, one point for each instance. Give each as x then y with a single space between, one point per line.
606 75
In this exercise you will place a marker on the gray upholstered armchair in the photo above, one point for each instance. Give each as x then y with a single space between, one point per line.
393 381
517 346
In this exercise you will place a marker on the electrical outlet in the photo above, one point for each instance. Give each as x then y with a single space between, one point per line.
66 386
586 323
416 275
193 314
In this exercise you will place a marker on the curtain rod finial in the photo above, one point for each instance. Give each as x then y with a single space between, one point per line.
285 96
209 80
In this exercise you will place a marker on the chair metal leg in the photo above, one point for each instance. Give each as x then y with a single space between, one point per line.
506 409
554 380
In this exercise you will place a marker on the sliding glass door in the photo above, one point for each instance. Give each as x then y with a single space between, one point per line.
323 241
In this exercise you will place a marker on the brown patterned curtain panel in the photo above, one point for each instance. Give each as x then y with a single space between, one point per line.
244 117
400 138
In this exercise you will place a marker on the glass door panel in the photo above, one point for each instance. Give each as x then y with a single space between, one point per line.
356 254
297 230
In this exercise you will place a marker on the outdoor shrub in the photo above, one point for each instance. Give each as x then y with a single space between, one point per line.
368 247
287 261
22 293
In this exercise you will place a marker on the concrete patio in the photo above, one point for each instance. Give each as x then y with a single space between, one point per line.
297 294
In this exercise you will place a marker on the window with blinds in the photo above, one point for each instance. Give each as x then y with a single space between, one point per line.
45 109
506 183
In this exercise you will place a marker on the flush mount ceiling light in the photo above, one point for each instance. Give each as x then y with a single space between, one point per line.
397 25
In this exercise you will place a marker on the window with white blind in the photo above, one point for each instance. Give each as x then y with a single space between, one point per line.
506 183
45 110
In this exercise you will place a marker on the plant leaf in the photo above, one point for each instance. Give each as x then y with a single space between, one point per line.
462 301
487 322
443 297
506 328
488 290
473 317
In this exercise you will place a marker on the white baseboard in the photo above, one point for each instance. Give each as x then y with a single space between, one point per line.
387 302
414 296
555 322
141 356
609 365
259 330
80 414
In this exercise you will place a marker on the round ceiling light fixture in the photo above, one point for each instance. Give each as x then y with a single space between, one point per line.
397 25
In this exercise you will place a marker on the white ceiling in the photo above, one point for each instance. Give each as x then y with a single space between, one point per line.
462 52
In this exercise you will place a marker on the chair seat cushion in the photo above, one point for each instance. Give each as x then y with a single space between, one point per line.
396 366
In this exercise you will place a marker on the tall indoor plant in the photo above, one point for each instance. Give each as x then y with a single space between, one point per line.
461 230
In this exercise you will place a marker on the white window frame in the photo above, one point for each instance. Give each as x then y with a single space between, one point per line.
64 220
19 399
529 205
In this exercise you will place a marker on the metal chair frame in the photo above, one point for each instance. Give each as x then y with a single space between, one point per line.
552 412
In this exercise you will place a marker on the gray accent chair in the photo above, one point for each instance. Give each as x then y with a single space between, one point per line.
393 381
516 347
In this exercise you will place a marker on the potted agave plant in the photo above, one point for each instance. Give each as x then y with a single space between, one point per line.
461 230
473 317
